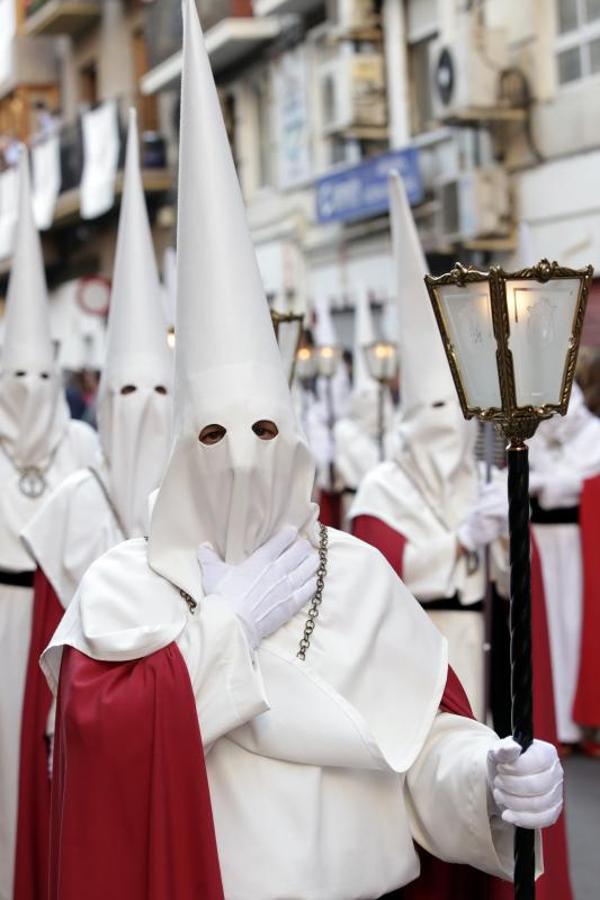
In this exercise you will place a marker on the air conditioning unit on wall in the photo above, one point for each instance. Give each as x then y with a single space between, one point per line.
474 205
465 72
352 92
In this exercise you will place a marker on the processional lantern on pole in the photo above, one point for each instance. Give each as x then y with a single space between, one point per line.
512 339
382 364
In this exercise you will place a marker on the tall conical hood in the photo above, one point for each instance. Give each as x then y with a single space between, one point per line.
135 397
424 372
436 444
229 485
232 325
364 334
136 337
27 340
33 410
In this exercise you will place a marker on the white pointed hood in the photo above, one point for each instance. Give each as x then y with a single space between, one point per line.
325 333
238 492
135 396
33 411
436 444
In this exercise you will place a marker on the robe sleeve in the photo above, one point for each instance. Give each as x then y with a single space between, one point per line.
447 797
131 814
31 858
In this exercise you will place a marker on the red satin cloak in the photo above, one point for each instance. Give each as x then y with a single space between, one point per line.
31 858
586 710
131 816
436 879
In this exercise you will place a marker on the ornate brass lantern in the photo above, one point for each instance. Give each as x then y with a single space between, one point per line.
511 339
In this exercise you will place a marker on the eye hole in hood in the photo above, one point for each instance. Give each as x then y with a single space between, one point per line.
212 434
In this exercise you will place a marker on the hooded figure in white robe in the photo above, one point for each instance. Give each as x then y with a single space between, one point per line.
103 505
429 491
39 447
326 725
564 459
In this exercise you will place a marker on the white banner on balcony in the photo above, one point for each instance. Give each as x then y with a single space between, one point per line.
45 158
9 198
293 118
100 159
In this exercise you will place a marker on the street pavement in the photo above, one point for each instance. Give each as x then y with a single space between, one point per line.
582 786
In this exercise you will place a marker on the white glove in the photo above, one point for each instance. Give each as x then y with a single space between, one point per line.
488 519
527 787
269 587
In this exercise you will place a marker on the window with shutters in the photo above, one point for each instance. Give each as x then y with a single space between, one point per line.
578 40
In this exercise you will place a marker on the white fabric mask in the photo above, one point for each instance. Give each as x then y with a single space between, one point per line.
33 415
238 492
135 431
437 451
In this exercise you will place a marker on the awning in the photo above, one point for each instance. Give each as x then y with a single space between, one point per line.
227 42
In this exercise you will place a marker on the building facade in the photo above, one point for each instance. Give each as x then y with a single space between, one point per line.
488 108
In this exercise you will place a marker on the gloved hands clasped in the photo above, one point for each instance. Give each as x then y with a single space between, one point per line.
555 491
267 589
487 520
527 788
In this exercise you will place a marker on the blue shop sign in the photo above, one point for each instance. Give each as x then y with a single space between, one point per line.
362 191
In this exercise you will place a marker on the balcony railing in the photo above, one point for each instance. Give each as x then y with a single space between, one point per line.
60 16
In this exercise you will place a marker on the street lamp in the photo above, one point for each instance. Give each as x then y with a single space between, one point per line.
288 331
511 339
382 363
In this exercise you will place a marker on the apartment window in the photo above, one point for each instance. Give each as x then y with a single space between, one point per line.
578 40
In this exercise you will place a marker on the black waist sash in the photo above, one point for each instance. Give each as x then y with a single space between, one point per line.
567 515
16 579
451 604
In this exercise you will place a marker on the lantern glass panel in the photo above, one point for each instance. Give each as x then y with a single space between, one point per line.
328 359
306 363
541 318
467 312
382 360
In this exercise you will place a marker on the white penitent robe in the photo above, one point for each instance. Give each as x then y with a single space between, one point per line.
431 569
345 750
78 447
563 454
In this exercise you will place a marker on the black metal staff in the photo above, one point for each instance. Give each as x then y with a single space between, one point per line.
511 340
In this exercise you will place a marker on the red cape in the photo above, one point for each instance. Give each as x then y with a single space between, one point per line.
554 884
586 710
31 858
131 816
330 504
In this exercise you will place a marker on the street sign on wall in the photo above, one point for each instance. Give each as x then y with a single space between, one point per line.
362 191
